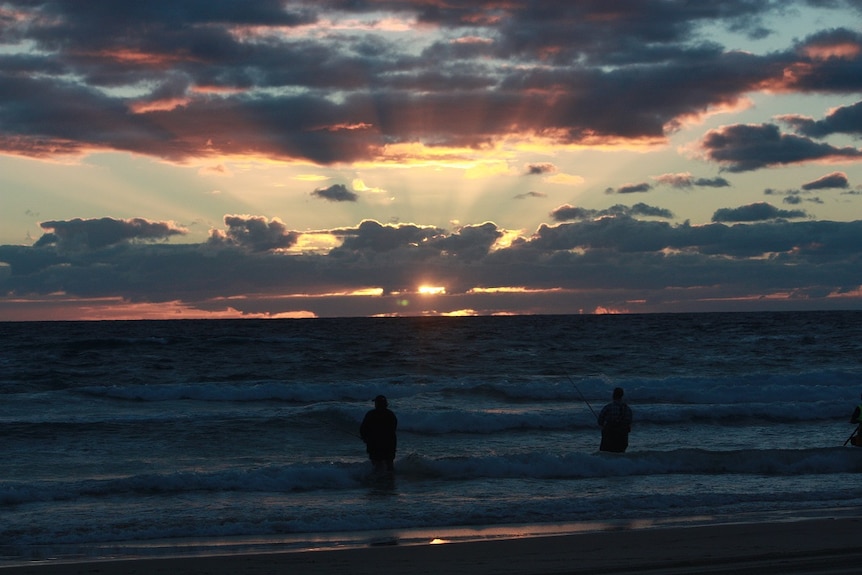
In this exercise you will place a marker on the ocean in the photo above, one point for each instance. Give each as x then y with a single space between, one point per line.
145 438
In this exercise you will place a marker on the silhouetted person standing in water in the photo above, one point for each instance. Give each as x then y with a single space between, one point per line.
378 433
615 419
856 417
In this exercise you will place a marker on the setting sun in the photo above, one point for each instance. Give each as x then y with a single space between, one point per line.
432 290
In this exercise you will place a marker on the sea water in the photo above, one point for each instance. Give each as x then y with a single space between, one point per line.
170 437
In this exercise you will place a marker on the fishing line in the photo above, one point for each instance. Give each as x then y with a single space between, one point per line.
326 422
582 396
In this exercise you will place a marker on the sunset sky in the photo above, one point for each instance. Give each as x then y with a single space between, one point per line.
192 159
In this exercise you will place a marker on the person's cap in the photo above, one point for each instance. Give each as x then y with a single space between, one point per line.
381 399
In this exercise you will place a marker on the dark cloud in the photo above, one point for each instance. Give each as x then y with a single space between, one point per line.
371 235
630 189
826 61
80 234
641 209
745 147
757 212
531 194
833 180
254 233
686 180
539 169
711 182
793 197
600 260
336 193
212 79
469 243
683 180
568 213
843 120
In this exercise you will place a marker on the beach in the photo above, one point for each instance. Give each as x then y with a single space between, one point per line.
797 546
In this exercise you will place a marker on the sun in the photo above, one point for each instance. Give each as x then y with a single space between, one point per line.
431 290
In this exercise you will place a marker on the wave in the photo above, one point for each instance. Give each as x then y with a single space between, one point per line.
427 420
415 467
762 388
770 462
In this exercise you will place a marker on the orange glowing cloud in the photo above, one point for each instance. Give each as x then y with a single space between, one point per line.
843 50
137 57
59 307
158 105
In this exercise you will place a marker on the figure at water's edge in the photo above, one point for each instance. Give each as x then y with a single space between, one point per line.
615 419
378 432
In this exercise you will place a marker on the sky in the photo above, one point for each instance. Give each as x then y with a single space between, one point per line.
272 159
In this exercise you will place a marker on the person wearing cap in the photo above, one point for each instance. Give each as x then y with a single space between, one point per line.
378 432
615 419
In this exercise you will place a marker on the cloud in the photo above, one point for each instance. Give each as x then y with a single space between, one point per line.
842 120
216 81
469 243
825 61
254 233
717 182
540 169
756 212
746 147
793 197
213 85
336 193
564 179
630 189
686 180
833 180
102 232
531 194
603 261
567 213
359 186
371 235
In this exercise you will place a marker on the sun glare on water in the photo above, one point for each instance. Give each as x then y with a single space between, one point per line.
432 290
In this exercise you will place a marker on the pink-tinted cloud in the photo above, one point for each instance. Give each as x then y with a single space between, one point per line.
833 180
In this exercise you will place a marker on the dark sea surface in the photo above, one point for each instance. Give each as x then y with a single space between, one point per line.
164 437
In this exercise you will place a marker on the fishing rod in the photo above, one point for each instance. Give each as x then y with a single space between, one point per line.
855 431
582 396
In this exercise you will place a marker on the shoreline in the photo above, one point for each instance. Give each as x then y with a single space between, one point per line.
792 545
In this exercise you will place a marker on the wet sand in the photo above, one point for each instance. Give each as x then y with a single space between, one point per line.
801 546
